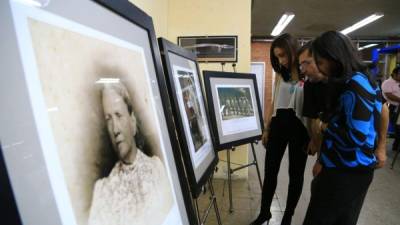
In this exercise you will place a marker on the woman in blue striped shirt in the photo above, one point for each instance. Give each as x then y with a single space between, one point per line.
349 151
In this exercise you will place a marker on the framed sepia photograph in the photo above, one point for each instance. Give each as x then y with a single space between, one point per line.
234 105
191 117
88 142
211 48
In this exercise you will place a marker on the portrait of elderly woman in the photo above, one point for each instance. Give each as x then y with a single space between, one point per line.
136 191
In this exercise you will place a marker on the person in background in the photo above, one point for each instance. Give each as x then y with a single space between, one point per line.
284 126
391 92
314 106
349 151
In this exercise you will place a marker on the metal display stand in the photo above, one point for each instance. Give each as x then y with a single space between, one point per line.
233 147
222 66
213 201
231 171
395 158
234 67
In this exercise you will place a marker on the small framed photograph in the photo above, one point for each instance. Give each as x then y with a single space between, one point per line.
211 48
88 142
234 105
191 117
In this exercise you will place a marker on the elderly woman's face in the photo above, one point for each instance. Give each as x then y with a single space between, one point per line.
121 125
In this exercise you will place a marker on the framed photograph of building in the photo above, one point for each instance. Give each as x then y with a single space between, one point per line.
88 142
211 48
191 117
234 105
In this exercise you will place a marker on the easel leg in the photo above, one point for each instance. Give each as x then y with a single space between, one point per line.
394 158
213 202
256 163
214 199
228 155
197 211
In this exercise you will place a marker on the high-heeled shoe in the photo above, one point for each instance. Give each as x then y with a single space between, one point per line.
286 219
262 218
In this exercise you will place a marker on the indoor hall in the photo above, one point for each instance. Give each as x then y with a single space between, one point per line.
139 112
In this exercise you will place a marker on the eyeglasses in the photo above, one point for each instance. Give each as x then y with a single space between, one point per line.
303 64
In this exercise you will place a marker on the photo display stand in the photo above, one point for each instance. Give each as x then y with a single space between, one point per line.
213 202
394 159
85 136
236 115
191 119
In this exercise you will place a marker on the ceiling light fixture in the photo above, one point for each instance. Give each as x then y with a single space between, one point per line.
107 81
362 23
283 22
34 3
366 46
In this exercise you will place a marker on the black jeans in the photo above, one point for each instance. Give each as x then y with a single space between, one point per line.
396 142
285 128
393 115
337 197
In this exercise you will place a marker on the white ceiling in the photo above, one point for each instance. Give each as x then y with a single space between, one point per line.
313 17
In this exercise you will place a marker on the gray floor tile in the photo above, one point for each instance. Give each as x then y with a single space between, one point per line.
381 206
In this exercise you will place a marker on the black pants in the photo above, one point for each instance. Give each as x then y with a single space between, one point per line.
337 197
393 115
396 142
285 128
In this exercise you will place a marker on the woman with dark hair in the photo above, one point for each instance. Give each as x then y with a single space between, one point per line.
349 152
284 126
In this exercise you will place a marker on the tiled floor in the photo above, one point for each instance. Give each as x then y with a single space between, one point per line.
381 207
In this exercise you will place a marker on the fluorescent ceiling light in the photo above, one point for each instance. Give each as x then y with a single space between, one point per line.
362 23
107 80
52 109
283 22
35 3
367 46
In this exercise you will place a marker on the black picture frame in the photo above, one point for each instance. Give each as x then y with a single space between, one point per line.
173 57
8 205
242 121
212 49
129 11
28 134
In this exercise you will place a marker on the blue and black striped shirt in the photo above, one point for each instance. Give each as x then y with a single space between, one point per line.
351 136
